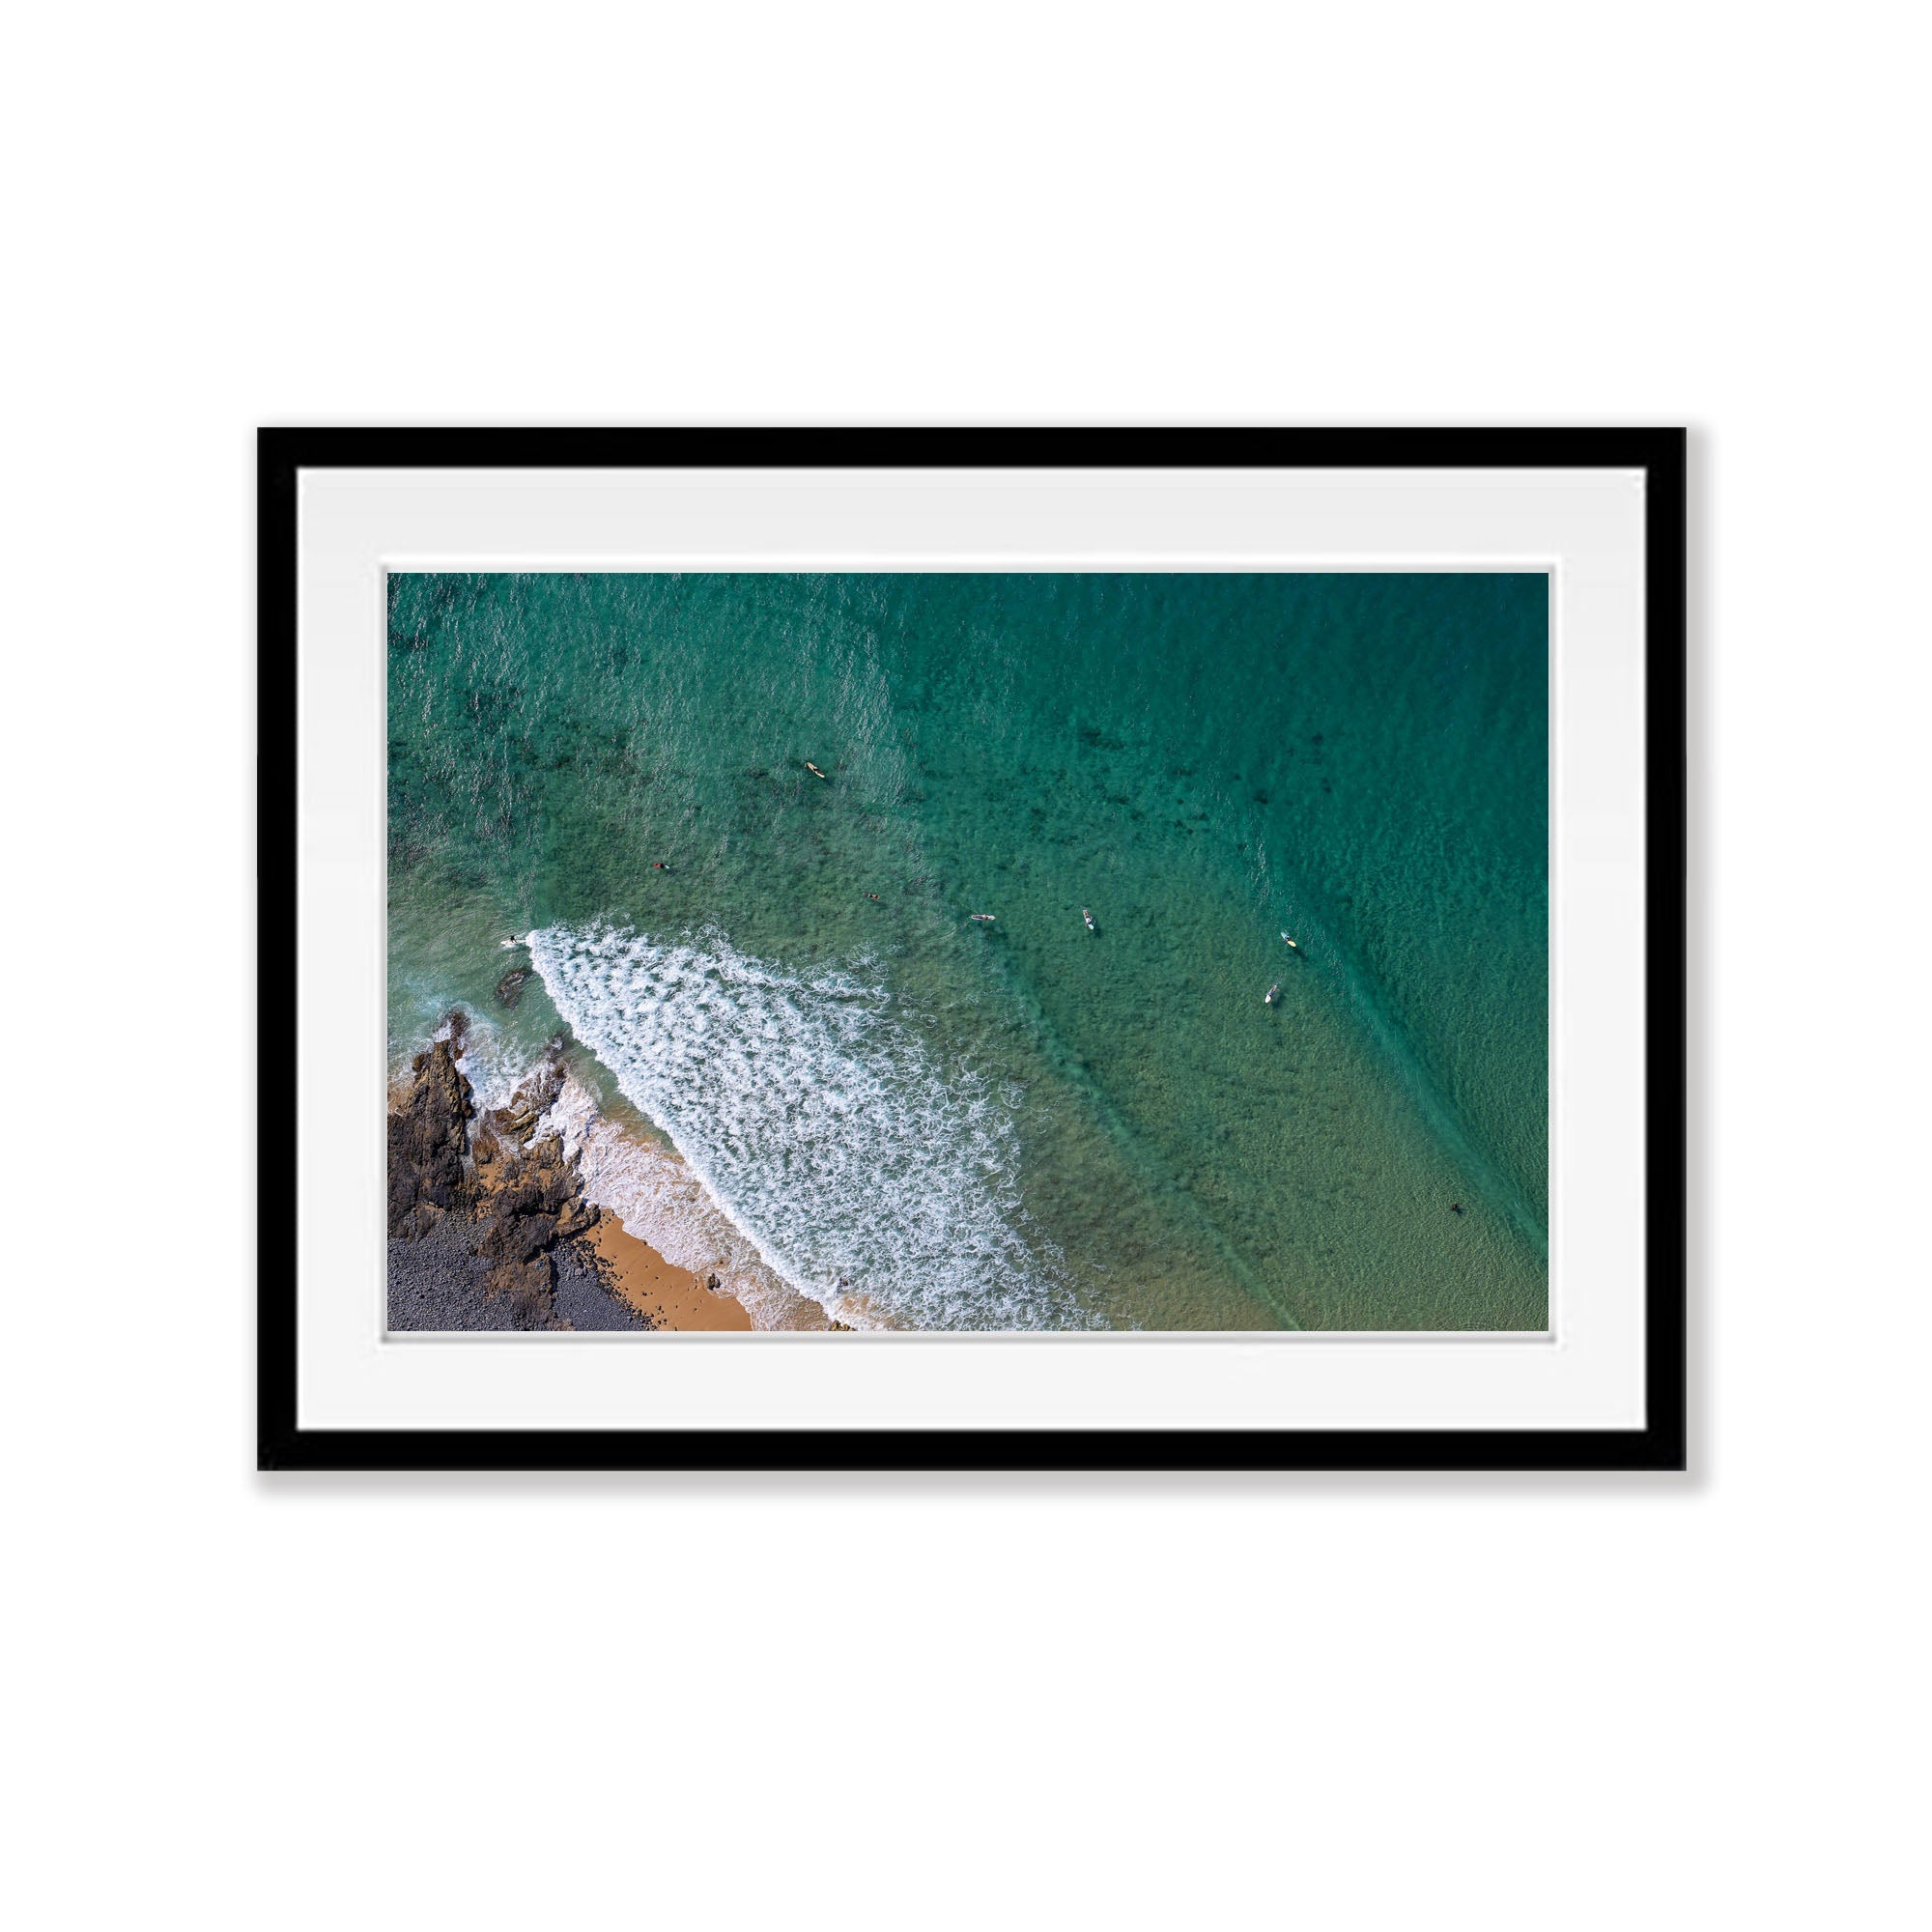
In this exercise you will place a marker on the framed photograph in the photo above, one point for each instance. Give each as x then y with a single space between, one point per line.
972 949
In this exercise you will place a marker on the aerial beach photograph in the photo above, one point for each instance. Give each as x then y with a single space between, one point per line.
968 952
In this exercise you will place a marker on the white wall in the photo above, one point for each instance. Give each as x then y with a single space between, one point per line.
419 1703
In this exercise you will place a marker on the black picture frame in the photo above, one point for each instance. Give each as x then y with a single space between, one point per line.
1661 1444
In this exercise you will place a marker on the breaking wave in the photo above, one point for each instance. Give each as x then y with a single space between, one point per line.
871 1176
651 1189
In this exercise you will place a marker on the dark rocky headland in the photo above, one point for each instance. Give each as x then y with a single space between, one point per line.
485 1217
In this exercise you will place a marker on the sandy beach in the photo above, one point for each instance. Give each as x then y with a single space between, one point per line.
666 1297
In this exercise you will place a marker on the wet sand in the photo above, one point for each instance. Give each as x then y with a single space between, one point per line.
666 1297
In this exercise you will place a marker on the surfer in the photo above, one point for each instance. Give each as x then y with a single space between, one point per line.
1273 994
814 771
511 944
1292 946
658 866
985 918
1089 918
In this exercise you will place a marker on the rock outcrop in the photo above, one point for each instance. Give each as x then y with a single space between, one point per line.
529 1200
530 1196
428 1141
521 1194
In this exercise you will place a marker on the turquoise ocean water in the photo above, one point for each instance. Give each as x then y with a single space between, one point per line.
1022 1123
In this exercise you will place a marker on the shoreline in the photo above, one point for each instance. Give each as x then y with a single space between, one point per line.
672 1235
545 1211
666 1297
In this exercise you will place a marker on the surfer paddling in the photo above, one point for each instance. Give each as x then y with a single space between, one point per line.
814 771
1290 944
1089 918
1273 994
984 918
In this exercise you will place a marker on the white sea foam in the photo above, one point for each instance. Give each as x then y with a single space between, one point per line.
872 1178
654 1192
492 1064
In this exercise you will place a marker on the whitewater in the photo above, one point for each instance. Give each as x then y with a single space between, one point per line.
869 1174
